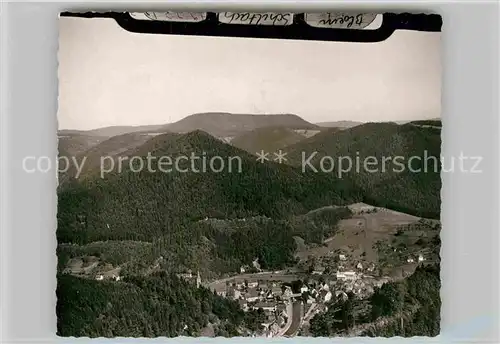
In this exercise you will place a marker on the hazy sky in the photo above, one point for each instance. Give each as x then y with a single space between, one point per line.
109 76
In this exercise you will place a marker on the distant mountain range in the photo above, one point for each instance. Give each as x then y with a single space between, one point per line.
113 130
225 126
339 124
222 124
350 124
219 124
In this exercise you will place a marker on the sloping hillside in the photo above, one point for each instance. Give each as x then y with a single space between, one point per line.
89 161
266 139
144 205
73 144
160 305
382 165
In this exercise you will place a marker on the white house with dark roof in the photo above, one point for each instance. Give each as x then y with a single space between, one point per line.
346 275
267 306
253 284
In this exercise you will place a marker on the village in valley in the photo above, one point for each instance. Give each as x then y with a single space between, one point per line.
372 247
291 298
338 269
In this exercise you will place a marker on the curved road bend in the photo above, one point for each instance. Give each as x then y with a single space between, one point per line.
295 319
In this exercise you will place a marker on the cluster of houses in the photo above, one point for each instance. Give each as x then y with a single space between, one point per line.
419 259
272 295
103 277
266 295
253 291
107 274
349 276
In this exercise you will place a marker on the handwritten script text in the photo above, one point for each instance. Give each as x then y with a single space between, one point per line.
256 18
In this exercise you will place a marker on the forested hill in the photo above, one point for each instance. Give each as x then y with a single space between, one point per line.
73 144
153 306
416 300
386 149
268 139
145 205
89 161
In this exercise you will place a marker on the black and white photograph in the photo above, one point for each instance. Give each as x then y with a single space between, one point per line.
247 187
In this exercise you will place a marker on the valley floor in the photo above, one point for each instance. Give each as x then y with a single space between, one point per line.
373 247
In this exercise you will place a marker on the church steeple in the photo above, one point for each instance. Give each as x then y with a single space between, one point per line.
198 280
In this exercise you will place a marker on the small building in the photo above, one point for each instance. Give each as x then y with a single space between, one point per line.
266 306
409 260
288 292
236 294
304 289
188 274
230 292
263 284
346 275
328 296
253 284
280 307
252 295
342 257
359 266
318 269
421 258
273 329
242 270
99 277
